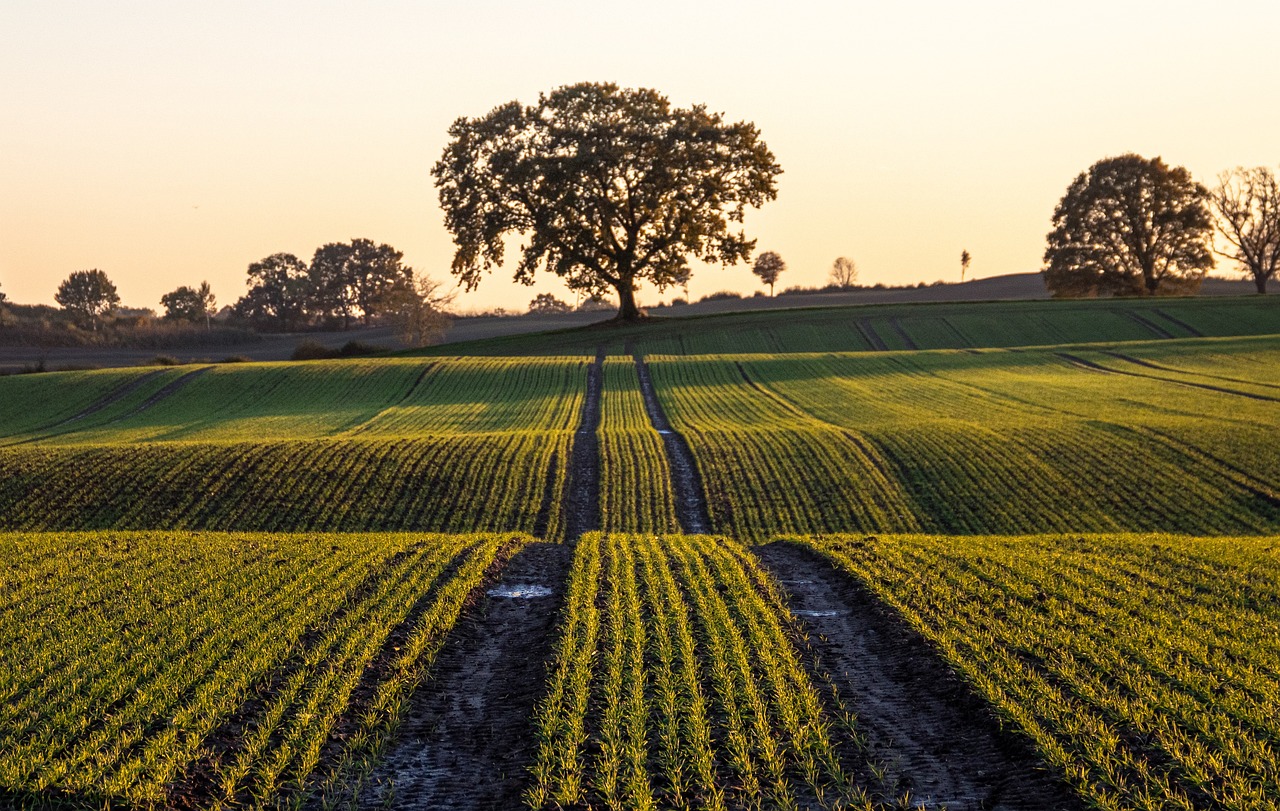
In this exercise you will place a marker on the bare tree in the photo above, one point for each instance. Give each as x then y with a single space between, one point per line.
769 267
965 259
416 307
844 273
1247 202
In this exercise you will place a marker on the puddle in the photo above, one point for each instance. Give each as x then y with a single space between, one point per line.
665 432
520 591
825 613
797 582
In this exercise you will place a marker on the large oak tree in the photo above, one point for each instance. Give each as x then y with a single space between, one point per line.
609 187
1129 226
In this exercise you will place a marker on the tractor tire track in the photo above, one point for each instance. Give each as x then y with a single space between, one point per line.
1192 331
1096 367
931 733
168 390
1159 368
363 425
1149 325
877 343
691 501
110 398
582 484
468 735
902 333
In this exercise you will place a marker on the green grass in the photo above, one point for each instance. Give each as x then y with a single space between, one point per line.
1145 668
158 669
927 326
675 684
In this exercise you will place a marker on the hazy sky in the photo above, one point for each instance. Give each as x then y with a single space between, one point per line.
170 142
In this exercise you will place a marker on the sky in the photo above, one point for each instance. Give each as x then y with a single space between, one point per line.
168 143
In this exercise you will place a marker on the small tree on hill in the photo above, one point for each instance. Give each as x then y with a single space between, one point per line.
611 187
547 304
965 259
88 294
1247 202
190 304
1129 226
844 273
769 266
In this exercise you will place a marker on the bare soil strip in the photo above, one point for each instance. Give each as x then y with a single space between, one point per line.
543 519
582 485
1090 365
1151 326
691 504
869 333
1192 331
932 735
902 333
468 736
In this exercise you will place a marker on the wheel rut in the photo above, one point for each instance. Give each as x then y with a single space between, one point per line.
582 484
928 731
1097 367
468 735
110 398
691 503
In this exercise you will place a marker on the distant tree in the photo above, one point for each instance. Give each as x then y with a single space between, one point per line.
769 266
547 304
1247 202
349 281
189 304
844 273
2 297
279 293
416 306
1129 226
88 294
965 259
612 187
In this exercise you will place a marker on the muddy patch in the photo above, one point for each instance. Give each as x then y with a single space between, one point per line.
467 737
582 484
691 503
931 735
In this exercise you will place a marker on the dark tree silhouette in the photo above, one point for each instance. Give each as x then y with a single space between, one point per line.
354 280
279 292
769 266
1129 226
844 273
609 186
548 304
965 259
88 294
189 304
1247 202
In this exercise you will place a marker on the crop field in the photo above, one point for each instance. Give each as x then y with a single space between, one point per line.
211 669
553 577
1146 668
675 685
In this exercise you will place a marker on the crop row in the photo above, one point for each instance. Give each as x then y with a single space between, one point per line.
462 483
635 479
1144 668
180 669
675 683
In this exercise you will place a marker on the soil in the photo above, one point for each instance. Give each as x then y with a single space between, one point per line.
468 737
933 735
691 503
902 333
582 484
868 332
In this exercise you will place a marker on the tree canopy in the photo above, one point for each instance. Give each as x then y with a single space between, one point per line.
768 267
189 303
88 294
844 273
609 186
1247 202
1129 226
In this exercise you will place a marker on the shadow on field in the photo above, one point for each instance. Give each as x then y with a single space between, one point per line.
59 800
935 739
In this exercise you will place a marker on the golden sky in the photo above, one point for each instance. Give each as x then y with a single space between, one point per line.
172 142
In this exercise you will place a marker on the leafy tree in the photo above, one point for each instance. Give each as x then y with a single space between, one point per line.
189 304
965 259
1129 226
416 306
547 304
610 186
353 280
844 273
1247 202
88 294
769 267
279 292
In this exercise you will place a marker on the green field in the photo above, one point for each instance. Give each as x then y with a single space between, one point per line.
225 584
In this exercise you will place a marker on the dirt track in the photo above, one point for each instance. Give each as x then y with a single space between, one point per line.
933 736
582 484
468 734
691 503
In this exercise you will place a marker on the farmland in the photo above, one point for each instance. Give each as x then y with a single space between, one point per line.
238 584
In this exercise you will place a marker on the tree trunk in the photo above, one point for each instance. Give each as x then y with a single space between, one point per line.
627 309
1261 282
